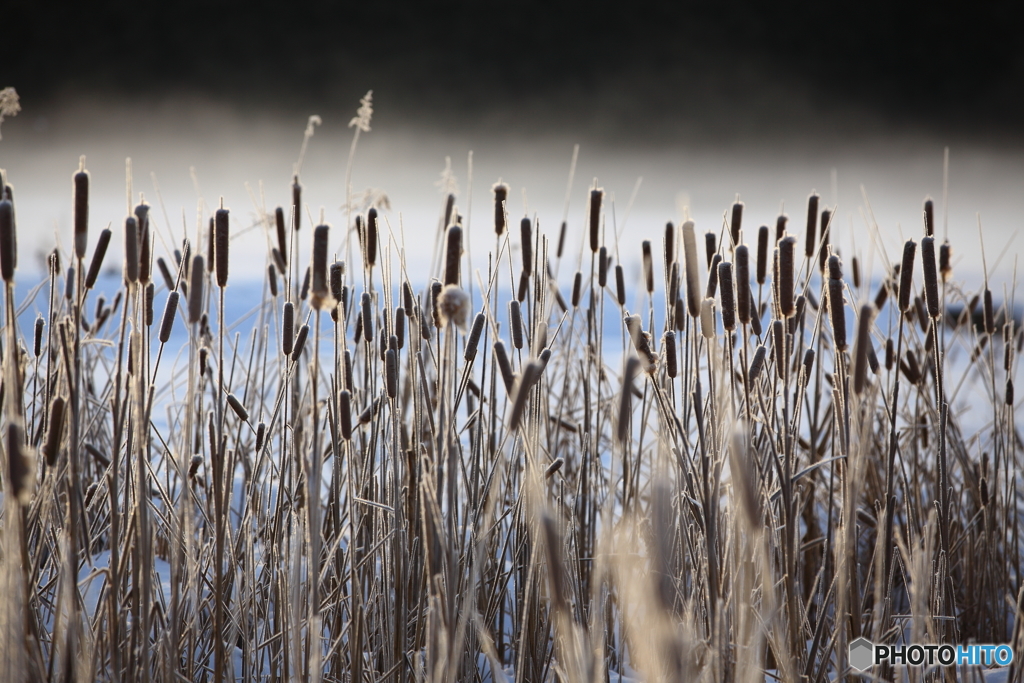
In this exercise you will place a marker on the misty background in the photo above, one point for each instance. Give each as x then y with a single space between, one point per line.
704 101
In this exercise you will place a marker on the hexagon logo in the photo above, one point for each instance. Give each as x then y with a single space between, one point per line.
861 657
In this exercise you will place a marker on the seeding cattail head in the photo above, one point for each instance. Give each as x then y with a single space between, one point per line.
626 398
890 353
296 203
453 306
602 267
596 196
321 289
812 225
707 318
453 256
287 328
195 289
37 345
220 238
435 293
131 249
272 279
762 254
670 245
837 313
785 285
515 317
728 296
524 286
709 246
929 218
168 320
945 261
238 408
743 299
862 348
692 276
210 256
648 266
500 197
97 258
779 346
81 202
835 268
165 272
931 280
561 239
345 413
371 237
527 234
907 275
620 285
282 233
712 288
826 238
473 341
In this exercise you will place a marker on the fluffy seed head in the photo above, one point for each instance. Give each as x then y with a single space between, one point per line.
453 306
693 297
707 318
320 283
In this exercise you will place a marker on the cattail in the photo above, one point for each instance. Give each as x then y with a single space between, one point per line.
911 370
709 246
743 299
728 296
131 249
812 225
1007 345
501 357
70 284
220 238
826 238
304 291
345 413
527 234
371 237
596 195
862 349
835 268
151 292
757 363
798 315
989 316
555 465
602 267
882 296
474 337
680 315
287 326
872 357
167 322
673 283
577 289
393 343
210 256
271 280
762 253
890 354
931 281
400 327
408 299
531 374
195 290
165 272
620 285
641 342
855 268
670 245
561 239
692 276
81 201
707 318
278 260
55 431
261 436
391 372
348 369
21 473
945 266
648 266
238 408
37 345
500 197
515 316
780 227
808 366
97 259
435 292
1009 391
737 220
449 209
524 286
755 318
712 288
382 342
296 203
300 342
907 274
779 346
367 316
625 398
786 274
454 256
319 267
668 346
453 305
282 234
142 216
929 218
837 313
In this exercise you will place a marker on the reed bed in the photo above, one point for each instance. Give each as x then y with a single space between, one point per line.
491 474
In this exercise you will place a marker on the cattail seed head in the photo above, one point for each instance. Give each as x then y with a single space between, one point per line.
142 216
561 239
890 354
165 273
626 398
319 267
728 296
81 202
1009 391
596 195
69 284
504 366
287 327
366 309
531 374
97 258
261 436
648 266
929 218
371 237
20 468
577 289
762 253
408 299
945 264
835 268
515 317
757 363
862 348
238 408
808 366
473 341
907 275
712 288
435 293
780 227
668 346
620 285
278 260
641 342
282 234
837 313
210 255
454 306
271 280
553 468
707 318
680 315
195 290
812 225
670 245
855 268
882 295
693 297
989 313
779 346
454 256
737 220
131 249
400 327
55 431
345 413
709 247
524 286
826 238
296 203
743 300
602 267
300 342
785 286
931 280
37 345
391 372
348 370
526 231
500 197
167 322
220 239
